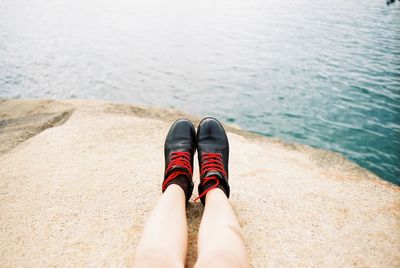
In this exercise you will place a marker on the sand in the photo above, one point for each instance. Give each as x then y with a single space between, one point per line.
78 179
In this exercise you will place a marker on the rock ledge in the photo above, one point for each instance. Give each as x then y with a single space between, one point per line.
79 177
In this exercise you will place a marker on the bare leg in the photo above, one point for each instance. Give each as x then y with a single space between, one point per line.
220 243
164 239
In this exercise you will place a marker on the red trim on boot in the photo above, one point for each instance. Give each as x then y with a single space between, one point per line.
211 162
180 161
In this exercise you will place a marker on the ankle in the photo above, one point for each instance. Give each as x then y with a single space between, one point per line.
180 183
215 193
174 188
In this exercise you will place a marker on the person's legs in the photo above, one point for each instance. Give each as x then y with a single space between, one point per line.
164 239
220 243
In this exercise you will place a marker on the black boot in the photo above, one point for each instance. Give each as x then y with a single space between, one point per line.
179 148
213 153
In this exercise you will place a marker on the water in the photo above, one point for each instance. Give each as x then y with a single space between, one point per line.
323 73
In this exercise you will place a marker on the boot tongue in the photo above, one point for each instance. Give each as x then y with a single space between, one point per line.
214 173
177 167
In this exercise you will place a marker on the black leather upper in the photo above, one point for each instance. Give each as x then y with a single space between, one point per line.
212 138
181 137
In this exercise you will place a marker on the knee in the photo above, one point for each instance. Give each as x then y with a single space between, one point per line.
220 259
155 258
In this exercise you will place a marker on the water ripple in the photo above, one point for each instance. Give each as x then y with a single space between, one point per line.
322 73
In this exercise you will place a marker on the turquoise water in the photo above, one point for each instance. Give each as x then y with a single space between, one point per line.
323 73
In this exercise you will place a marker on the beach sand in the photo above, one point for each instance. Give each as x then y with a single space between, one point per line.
78 179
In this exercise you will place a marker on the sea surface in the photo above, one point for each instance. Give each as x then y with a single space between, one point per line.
322 73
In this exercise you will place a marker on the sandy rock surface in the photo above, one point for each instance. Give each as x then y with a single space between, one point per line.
78 179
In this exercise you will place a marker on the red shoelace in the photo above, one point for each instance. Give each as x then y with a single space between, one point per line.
211 162
180 161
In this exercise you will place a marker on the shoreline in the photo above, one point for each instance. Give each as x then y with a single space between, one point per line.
59 110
